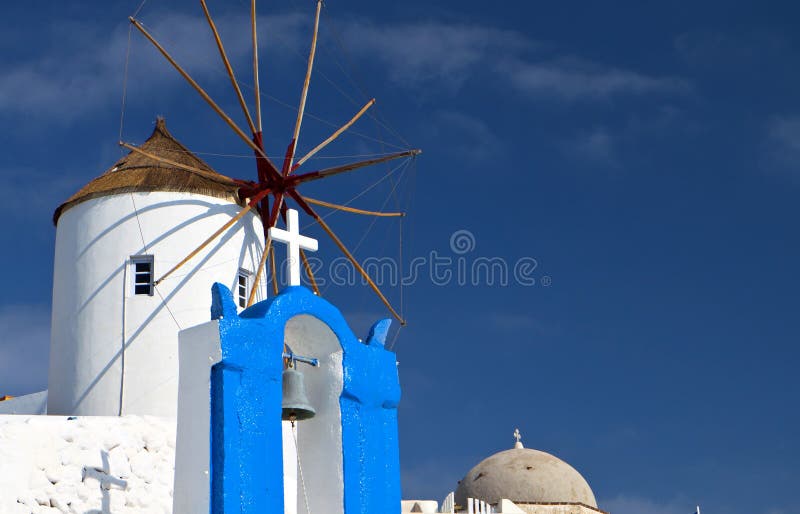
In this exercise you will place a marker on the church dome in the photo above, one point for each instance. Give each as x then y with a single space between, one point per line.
524 475
137 172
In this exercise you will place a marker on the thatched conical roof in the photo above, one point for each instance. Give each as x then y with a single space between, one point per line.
136 172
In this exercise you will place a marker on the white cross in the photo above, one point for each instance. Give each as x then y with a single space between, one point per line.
291 236
517 435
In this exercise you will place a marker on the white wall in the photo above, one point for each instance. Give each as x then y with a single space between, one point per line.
94 464
319 438
290 484
96 315
532 508
199 351
423 506
35 403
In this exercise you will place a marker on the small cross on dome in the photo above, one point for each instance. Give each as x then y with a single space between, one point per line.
518 437
294 241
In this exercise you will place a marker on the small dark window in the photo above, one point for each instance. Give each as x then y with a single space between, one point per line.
243 287
142 274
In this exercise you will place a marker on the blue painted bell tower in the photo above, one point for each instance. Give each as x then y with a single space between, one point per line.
344 460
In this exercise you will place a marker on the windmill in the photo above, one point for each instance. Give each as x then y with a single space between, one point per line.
275 185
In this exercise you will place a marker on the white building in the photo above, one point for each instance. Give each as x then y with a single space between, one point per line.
114 336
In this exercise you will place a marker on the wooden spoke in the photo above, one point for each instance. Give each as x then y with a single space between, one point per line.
333 136
293 145
255 64
178 165
239 132
309 271
252 203
277 208
299 199
353 209
257 277
274 270
327 172
273 217
273 181
228 67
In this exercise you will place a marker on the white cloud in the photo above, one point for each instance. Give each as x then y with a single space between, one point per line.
84 73
450 53
24 347
427 51
596 146
572 79
610 146
81 69
33 90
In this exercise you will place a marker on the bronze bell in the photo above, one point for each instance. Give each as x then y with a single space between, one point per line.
295 403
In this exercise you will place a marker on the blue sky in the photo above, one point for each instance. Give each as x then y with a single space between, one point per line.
646 156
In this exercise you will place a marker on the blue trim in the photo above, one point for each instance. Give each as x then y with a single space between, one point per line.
247 460
369 428
224 435
246 450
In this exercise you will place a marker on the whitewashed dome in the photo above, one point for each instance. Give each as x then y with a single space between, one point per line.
524 475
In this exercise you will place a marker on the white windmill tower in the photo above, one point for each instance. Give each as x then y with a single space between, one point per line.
114 334
125 280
